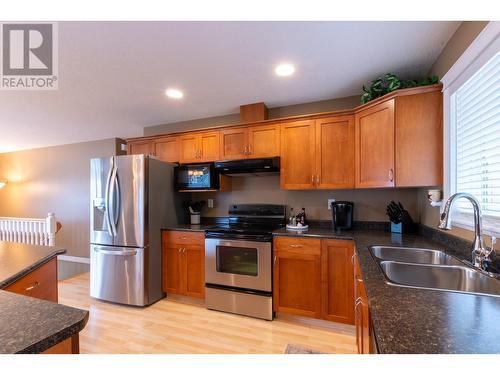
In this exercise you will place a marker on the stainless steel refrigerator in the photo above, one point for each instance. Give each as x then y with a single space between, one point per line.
131 199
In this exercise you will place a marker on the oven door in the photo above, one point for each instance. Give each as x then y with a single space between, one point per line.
240 264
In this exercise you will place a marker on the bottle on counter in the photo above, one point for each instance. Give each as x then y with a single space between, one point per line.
301 217
291 219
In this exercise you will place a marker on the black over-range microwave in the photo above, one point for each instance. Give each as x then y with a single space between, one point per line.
196 177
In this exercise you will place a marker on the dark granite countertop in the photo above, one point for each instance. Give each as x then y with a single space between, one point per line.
30 325
408 320
189 227
17 259
315 232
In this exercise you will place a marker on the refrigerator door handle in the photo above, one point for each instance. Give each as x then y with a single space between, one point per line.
102 250
112 208
107 200
117 209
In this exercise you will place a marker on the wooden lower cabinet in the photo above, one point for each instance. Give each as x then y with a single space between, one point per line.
313 278
183 263
364 332
297 276
337 274
40 283
69 346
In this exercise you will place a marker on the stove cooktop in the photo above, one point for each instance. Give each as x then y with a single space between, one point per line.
254 221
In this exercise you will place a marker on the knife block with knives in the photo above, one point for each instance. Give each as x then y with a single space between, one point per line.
401 221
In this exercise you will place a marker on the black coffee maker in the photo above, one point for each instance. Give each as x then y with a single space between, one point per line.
342 212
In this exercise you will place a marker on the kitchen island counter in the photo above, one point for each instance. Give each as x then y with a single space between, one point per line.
32 325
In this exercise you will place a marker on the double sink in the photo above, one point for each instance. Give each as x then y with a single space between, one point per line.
432 269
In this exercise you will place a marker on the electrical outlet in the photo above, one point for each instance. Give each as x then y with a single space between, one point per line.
330 201
210 203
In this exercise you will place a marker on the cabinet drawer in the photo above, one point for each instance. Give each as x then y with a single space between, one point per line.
299 246
183 237
39 283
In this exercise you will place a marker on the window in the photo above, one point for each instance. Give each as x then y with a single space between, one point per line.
472 131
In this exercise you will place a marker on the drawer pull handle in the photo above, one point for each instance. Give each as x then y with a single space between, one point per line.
182 238
295 246
32 286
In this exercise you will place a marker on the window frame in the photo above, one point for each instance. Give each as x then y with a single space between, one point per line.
481 50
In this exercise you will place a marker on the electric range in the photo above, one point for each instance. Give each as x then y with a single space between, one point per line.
239 259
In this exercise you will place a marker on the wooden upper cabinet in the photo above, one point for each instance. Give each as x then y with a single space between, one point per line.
337 285
234 143
374 128
335 152
199 147
419 140
298 155
264 141
167 149
188 148
250 142
140 147
209 146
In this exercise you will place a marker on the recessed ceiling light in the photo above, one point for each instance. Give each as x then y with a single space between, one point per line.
174 93
284 70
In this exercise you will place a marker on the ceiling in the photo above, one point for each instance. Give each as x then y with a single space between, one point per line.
113 75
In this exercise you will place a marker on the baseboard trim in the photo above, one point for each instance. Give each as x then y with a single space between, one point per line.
186 299
69 258
316 323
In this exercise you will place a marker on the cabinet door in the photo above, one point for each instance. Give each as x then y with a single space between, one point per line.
139 147
375 146
194 271
40 283
335 152
361 312
358 322
297 277
171 275
419 140
167 149
297 155
233 144
366 339
264 141
209 146
337 276
189 148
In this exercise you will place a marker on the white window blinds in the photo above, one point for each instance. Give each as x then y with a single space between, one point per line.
475 117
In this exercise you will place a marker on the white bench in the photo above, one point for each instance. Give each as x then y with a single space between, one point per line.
28 230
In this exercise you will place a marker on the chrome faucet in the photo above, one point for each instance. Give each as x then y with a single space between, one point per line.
480 254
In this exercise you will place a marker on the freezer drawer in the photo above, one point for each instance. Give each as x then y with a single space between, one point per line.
117 274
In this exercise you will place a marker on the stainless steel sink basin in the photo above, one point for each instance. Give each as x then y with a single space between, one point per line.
413 255
441 277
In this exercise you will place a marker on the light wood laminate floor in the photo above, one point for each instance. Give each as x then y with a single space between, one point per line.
177 327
